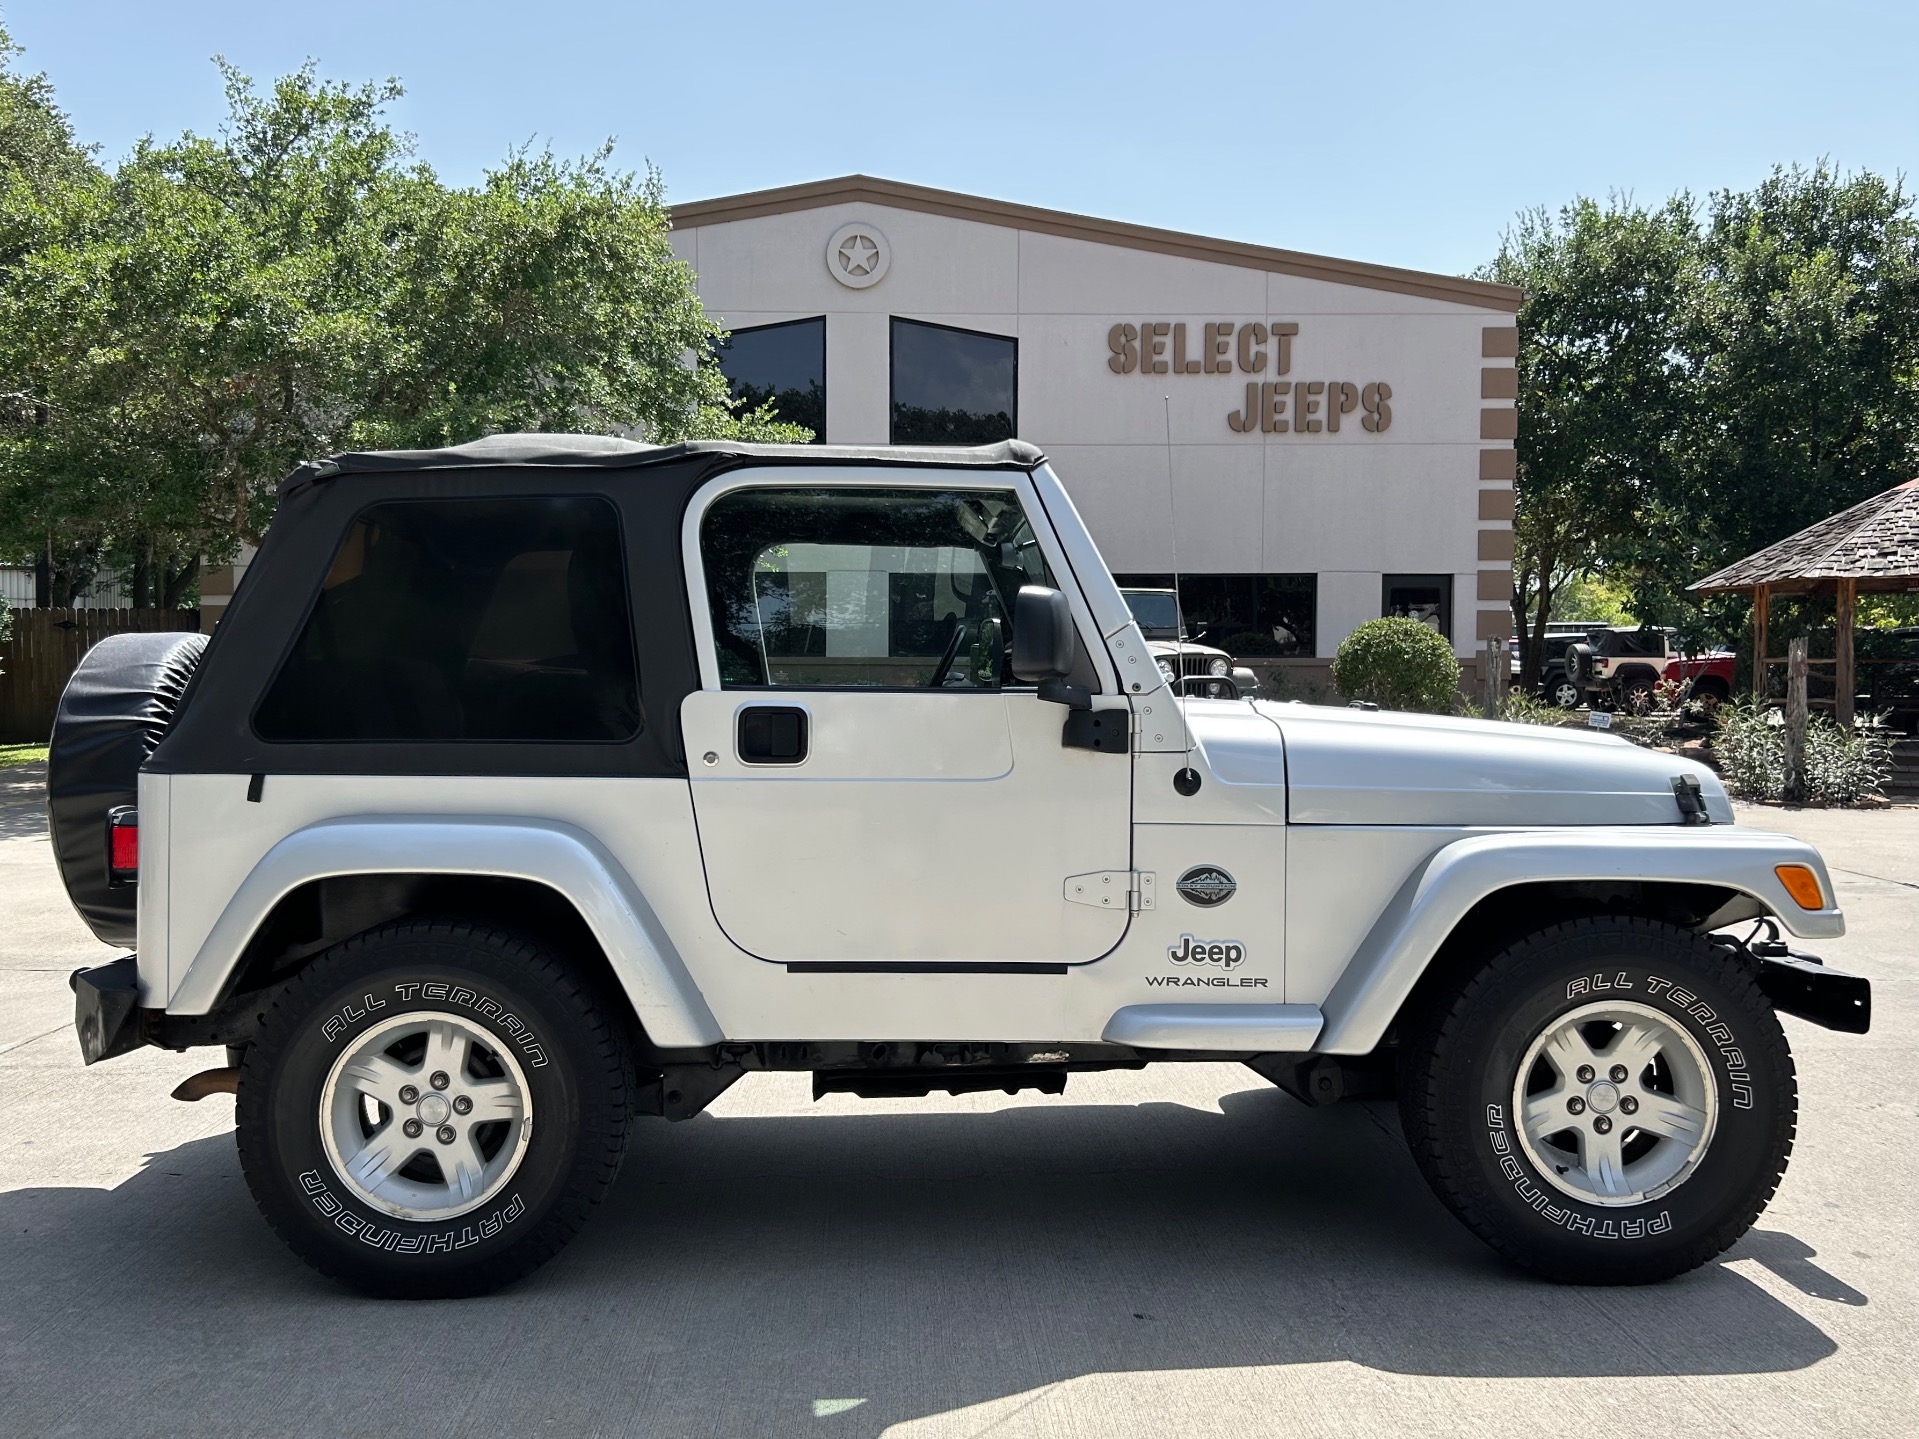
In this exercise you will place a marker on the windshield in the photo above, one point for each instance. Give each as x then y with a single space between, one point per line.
1156 611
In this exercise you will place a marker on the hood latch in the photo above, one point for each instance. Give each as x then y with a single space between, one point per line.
1691 801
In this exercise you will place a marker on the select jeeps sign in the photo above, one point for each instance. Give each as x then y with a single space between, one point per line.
1251 347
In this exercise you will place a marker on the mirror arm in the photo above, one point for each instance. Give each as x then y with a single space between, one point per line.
1059 691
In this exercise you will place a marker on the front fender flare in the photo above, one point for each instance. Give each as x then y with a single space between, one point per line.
560 856
1439 894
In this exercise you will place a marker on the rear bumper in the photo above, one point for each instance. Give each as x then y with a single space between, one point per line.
106 1009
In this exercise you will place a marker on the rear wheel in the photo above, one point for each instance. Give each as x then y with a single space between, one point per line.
1636 696
1609 1101
1565 694
432 1110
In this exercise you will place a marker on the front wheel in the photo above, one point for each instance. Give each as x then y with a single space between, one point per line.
432 1110
1608 1101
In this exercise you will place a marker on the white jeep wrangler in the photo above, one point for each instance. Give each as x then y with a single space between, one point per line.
550 782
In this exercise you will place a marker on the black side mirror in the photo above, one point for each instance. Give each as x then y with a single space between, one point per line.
1042 635
1043 646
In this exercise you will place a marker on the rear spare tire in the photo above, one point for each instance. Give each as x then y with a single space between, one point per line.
112 715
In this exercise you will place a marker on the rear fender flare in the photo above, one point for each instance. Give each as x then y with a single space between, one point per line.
559 856
1437 896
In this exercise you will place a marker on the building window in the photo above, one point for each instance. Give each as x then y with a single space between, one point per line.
1426 598
953 387
476 619
1248 616
784 363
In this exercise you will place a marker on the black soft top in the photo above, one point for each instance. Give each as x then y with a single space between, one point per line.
607 452
650 486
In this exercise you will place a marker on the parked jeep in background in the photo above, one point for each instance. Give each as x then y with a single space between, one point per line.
1190 667
539 786
1555 685
1622 667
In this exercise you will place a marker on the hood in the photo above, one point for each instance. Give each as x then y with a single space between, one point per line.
1348 766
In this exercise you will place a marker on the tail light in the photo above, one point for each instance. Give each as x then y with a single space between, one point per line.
123 845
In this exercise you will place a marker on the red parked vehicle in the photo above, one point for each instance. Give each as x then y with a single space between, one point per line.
1622 668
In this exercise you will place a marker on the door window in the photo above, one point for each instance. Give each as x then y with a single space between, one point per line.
867 588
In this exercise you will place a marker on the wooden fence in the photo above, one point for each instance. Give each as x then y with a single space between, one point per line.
45 648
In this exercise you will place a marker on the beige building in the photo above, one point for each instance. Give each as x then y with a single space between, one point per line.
1312 442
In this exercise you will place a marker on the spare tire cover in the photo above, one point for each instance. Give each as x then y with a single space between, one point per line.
112 715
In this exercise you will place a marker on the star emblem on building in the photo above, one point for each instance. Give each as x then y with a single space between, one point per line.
858 255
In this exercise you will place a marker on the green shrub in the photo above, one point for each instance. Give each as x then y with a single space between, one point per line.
1841 768
1398 664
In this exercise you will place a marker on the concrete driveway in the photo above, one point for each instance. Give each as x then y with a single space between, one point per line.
1180 1252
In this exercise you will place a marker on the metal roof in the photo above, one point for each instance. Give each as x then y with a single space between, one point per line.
1875 543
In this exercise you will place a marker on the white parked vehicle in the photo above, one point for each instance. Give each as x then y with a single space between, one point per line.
549 782
1188 666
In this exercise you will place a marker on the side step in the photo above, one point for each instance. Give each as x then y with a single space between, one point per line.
918 1083
1230 1028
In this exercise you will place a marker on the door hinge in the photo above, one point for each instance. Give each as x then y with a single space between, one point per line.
1111 889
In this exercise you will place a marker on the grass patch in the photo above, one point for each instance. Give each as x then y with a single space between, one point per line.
13 754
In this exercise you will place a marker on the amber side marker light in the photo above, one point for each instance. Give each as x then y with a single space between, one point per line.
1802 884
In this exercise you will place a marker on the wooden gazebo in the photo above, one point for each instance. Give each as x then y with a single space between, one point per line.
1872 548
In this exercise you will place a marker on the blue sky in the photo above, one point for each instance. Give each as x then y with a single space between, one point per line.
1400 134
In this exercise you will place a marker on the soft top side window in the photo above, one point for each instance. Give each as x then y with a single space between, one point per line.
867 588
472 619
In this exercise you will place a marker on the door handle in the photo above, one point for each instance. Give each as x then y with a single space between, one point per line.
771 734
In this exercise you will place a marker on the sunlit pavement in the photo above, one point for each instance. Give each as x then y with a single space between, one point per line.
1183 1251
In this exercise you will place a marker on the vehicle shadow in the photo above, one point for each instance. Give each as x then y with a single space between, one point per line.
756 1276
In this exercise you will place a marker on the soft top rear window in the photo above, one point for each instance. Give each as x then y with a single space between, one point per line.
470 619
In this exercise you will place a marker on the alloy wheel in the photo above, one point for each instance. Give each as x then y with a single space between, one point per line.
1616 1104
424 1117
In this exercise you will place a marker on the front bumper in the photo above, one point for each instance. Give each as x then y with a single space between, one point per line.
106 1009
1801 984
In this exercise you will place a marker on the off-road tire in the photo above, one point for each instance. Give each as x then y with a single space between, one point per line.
578 1079
1460 1065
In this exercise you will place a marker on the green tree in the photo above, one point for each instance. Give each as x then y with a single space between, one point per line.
49 185
1602 386
1804 343
220 308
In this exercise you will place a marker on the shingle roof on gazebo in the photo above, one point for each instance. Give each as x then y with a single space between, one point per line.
1876 542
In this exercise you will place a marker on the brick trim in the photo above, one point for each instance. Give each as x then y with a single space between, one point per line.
1501 424
1498 467
1499 342
1496 545
1496 505
1493 624
1499 382
1496 584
